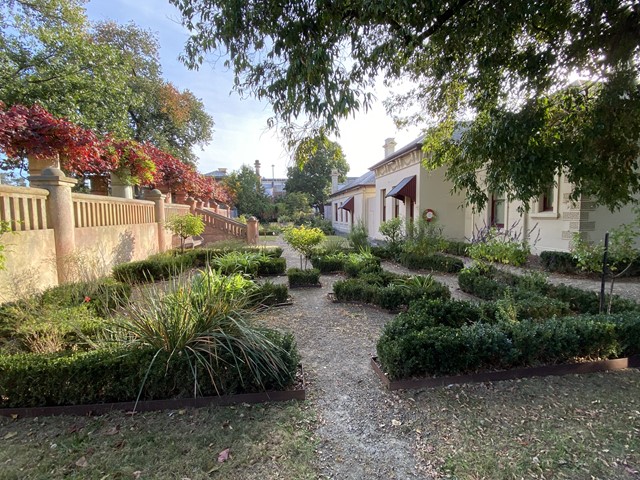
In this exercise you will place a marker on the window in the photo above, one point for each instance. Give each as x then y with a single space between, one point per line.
497 210
547 200
411 208
335 212
383 208
396 208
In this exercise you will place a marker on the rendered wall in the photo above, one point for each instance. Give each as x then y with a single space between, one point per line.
30 264
104 247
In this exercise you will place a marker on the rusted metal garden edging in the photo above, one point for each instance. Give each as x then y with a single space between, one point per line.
153 405
513 374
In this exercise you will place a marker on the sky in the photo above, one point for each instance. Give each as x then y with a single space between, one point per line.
240 134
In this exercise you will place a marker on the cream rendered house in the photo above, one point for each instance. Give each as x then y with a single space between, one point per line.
351 202
404 188
552 219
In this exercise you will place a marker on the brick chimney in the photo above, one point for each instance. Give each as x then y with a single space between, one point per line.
257 165
334 180
389 146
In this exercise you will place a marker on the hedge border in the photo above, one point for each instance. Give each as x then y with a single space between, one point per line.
299 394
512 374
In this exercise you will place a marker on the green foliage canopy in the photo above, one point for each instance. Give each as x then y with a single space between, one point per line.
103 76
502 65
314 160
247 192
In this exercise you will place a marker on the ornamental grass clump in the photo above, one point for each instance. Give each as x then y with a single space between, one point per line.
207 322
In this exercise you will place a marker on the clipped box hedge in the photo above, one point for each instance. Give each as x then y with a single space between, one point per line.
407 350
303 278
491 284
116 375
164 266
434 262
379 290
329 263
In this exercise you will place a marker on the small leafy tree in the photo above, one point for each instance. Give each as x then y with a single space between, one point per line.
302 239
185 226
359 236
393 232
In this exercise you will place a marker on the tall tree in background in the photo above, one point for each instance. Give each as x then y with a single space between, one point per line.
503 66
172 120
314 159
106 76
247 192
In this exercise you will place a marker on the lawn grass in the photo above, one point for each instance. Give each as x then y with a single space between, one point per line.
265 441
576 427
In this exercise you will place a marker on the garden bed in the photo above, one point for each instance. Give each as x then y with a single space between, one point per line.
296 392
512 374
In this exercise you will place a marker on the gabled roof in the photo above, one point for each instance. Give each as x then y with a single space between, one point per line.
366 180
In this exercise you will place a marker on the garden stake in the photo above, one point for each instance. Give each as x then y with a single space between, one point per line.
604 270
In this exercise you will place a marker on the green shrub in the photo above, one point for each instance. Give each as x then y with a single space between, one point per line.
361 262
493 245
382 251
393 232
359 236
270 293
355 290
271 266
303 278
560 262
154 268
434 262
101 295
477 281
585 302
376 290
119 374
453 247
443 350
303 240
329 263
411 346
439 312
185 226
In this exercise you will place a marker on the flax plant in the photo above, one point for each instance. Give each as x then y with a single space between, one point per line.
206 321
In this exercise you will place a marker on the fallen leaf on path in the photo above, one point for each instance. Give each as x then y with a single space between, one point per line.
136 474
223 456
396 423
82 462
9 435
113 430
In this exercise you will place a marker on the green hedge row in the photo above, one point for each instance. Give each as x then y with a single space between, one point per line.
563 262
116 375
453 247
377 290
329 263
270 293
406 350
303 278
165 266
435 262
491 284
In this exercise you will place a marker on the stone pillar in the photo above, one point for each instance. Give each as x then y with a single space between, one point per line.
181 198
252 231
157 197
60 216
99 185
37 165
192 204
119 188
199 203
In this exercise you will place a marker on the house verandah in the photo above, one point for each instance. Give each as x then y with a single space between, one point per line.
403 188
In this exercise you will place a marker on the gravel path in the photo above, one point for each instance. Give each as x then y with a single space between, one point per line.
364 431
361 430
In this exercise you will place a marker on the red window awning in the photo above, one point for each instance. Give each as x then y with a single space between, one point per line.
406 188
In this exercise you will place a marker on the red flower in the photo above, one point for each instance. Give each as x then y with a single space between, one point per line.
87 299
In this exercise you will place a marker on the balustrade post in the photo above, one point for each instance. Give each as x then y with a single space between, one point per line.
157 198
252 231
119 188
60 217
192 204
